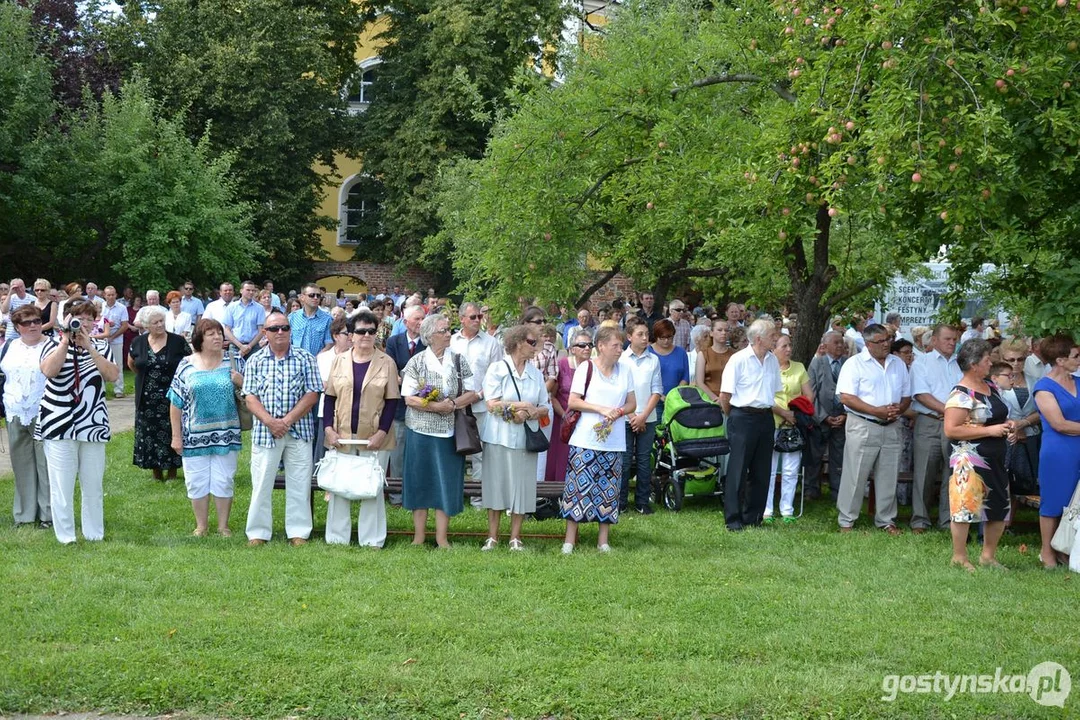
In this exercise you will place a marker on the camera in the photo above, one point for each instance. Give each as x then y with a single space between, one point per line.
75 325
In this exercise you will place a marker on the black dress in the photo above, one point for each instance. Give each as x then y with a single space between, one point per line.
154 373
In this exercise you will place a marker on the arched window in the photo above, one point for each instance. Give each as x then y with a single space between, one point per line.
360 88
360 219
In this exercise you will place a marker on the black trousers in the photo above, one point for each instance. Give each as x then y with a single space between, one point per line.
746 487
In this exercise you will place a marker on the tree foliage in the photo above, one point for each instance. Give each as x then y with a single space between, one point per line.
266 76
806 152
446 69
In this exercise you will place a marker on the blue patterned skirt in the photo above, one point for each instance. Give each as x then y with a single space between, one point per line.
591 493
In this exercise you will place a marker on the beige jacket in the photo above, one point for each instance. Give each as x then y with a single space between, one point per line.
380 385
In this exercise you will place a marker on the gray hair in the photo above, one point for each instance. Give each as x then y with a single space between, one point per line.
831 333
759 329
155 293
152 311
427 328
892 318
410 311
874 329
972 352
466 305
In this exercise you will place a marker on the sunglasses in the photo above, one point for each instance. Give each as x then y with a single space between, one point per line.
316 296
539 321
41 289
584 346
1014 360
278 329
364 331
472 317
30 323
531 341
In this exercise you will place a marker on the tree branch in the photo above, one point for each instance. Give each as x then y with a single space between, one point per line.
706 272
779 88
603 178
601 282
848 293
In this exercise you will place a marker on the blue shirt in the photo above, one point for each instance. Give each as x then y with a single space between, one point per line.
674 368
279 385
310 333
192 306
246 320
399 327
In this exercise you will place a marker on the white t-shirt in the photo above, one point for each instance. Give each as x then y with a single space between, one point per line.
608 392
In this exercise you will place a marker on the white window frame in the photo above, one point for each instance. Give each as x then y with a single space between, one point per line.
355 108
343 209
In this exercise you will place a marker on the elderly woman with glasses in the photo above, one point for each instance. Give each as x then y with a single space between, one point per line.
20 362
361 397
435 383
154 358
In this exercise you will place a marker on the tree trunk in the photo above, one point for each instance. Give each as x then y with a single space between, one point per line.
810 279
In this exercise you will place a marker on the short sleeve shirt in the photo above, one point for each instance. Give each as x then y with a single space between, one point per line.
609 391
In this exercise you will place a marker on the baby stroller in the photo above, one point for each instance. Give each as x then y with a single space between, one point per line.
690 444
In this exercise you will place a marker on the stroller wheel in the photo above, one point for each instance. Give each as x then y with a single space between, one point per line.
673 496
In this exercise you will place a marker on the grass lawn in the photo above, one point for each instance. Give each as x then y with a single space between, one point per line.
682 620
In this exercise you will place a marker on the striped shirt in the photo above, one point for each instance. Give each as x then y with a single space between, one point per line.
279 385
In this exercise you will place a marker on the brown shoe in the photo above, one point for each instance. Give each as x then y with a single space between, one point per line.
297 542
845 529
918 531
256 542
893 530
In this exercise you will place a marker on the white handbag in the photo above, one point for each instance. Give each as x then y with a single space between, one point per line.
353 477
1065 537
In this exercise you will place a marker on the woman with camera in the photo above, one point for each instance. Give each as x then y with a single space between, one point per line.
74 421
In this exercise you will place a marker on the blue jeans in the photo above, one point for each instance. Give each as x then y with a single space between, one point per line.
636 458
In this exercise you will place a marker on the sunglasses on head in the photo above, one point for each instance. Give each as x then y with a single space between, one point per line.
364 331
278 329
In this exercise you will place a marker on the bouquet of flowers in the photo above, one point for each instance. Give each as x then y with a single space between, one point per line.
429 394
603 429
507 413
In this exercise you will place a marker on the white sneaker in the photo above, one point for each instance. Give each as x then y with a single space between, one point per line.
567 548
605 548
489 544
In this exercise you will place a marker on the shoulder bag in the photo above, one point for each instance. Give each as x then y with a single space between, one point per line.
788 439
241 406
353 477
571 417
466 432
1065 537
535 440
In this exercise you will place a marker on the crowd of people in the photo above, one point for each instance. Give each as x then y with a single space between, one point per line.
983 414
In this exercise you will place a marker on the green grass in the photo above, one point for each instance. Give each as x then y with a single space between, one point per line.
682 620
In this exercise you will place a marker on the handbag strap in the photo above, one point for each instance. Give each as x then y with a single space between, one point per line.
588 379
513 380
457 368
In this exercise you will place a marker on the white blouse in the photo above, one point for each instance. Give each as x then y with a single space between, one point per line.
24 385
499 384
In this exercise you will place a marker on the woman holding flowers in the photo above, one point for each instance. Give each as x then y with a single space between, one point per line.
435 383
516 394
603 392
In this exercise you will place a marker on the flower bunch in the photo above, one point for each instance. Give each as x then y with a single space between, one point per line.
603 429
429 394
507 412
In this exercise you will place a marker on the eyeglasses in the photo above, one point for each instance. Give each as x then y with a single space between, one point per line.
531 341
584 346
30 323
441 331
883 341
1005 375
364 331
537 321
1014 360
472 317
278 329
316 296
664 337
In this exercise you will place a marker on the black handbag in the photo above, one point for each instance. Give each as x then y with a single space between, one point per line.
466 432
535 440
788 439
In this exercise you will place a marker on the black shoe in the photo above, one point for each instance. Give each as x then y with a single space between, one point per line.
736 527
623 507
644 510
45 524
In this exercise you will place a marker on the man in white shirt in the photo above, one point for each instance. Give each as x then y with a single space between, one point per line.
15 299
1035 366
875 388
115 316
855 333
219 309
933 376
481 350
189 303
644 368
92 294
153 299
748 390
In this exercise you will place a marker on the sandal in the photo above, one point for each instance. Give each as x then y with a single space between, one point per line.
516 545
490 544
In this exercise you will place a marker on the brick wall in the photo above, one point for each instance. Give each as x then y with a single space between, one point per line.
377 275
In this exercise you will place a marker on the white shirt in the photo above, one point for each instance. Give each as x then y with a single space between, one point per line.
499 385
856 337
645 370
934 374
24 385
865 378
971 334
1034 369
218 310
179 324
115 316
605 391
481 351
751 382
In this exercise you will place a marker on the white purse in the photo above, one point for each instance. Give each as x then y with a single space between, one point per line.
1065 537
353 477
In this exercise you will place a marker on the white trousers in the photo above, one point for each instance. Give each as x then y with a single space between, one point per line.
210 475
296 455
370 520
789 464
117 347
66 460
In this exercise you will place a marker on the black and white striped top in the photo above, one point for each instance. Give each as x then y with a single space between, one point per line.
73 407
